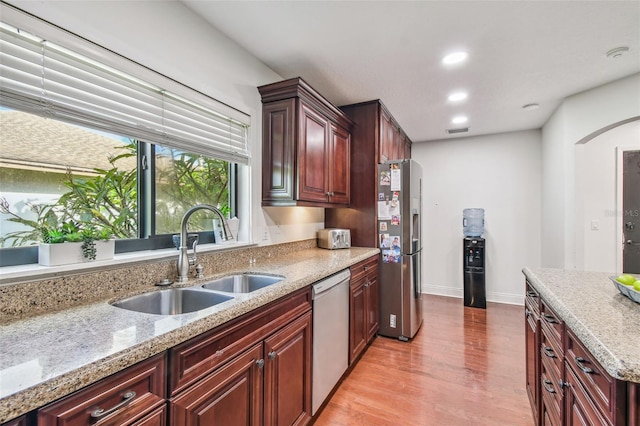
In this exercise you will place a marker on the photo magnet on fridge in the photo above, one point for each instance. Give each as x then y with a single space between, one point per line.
383 226
385 178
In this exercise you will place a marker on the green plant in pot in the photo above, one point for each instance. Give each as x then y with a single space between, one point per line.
71 231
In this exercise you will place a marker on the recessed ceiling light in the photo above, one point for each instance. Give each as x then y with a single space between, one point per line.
617 52
457 96
454 58
459 119
530 107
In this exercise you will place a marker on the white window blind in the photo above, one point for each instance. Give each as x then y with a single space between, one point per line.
45 78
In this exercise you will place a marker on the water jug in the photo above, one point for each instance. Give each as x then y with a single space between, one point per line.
473 222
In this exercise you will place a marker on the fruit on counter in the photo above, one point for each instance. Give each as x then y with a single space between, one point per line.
626 279
636 285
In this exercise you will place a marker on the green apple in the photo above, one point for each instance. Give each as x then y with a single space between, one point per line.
626 279
636 285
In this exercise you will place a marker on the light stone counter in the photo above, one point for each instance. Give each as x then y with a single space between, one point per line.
49 356
605 321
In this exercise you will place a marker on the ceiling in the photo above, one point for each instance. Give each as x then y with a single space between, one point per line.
520 52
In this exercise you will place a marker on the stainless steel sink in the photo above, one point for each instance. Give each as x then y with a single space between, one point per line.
242 283
172 301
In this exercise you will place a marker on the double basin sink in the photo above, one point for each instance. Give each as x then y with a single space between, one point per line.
177 301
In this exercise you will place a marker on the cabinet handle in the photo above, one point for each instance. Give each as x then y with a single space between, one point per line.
548 386
260 363
531 293
548 352
366 268
100 412
328 194
272 355
367 284
550 319
581 366
527 312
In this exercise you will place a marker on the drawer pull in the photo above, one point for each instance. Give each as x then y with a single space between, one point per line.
581 366
272 355
532 294
550 319
548 386
548 351
100 412
366 268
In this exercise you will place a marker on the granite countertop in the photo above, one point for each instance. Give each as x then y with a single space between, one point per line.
49 356
605 321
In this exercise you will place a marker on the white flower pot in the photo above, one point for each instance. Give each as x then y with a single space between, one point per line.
66 253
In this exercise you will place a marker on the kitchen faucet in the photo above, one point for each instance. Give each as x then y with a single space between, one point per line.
184 261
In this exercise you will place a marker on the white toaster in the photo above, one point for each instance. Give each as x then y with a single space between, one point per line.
333 238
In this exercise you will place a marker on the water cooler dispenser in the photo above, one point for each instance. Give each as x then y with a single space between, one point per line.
474 258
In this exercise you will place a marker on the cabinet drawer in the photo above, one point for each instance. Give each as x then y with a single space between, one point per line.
551 393
552 323
366 267
201 355
532 299
603 389
119 399
551 352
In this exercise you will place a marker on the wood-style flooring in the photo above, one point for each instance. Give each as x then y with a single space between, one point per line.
465 366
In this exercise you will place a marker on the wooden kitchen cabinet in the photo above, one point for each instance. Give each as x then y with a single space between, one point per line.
134 396
375 138
574 389
287 371
256 370
306 147
364 306
532 343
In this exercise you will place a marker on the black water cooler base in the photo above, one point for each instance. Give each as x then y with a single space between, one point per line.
474 290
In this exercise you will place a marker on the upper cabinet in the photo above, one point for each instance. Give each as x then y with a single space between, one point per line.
306 147
393 143
376 138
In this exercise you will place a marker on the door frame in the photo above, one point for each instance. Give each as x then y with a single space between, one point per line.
620 150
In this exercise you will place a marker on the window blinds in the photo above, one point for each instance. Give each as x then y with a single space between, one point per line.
45 78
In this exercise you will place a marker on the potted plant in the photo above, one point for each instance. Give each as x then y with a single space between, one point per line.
69 243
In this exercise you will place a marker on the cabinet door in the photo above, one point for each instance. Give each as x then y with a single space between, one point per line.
386 138
312 159
407 148
580 410
278 150
230 396
398 144
373 304
339 166
357 319
532 365
287 381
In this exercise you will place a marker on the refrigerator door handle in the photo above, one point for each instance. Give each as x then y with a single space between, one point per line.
415 271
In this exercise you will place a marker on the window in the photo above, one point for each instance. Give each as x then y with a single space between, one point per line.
85 141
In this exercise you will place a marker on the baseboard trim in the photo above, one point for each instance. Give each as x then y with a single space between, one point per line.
507 298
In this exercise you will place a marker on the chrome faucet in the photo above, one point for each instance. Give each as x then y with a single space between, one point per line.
184 261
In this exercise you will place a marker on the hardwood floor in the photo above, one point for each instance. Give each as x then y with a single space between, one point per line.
464 367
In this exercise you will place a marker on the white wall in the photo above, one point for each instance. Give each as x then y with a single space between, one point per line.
579 118
500 173
170 39
598 207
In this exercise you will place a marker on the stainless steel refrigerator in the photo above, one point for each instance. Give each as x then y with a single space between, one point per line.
398 218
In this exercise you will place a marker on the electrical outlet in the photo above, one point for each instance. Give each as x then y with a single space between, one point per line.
392 321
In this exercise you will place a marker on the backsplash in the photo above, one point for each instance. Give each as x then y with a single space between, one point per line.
34 298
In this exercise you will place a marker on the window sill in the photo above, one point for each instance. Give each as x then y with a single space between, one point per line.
33 272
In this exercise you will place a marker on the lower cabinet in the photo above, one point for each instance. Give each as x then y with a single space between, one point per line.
573 388
255 371
364 306
20 421
132 397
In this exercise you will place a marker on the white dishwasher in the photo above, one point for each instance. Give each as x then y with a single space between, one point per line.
330 334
